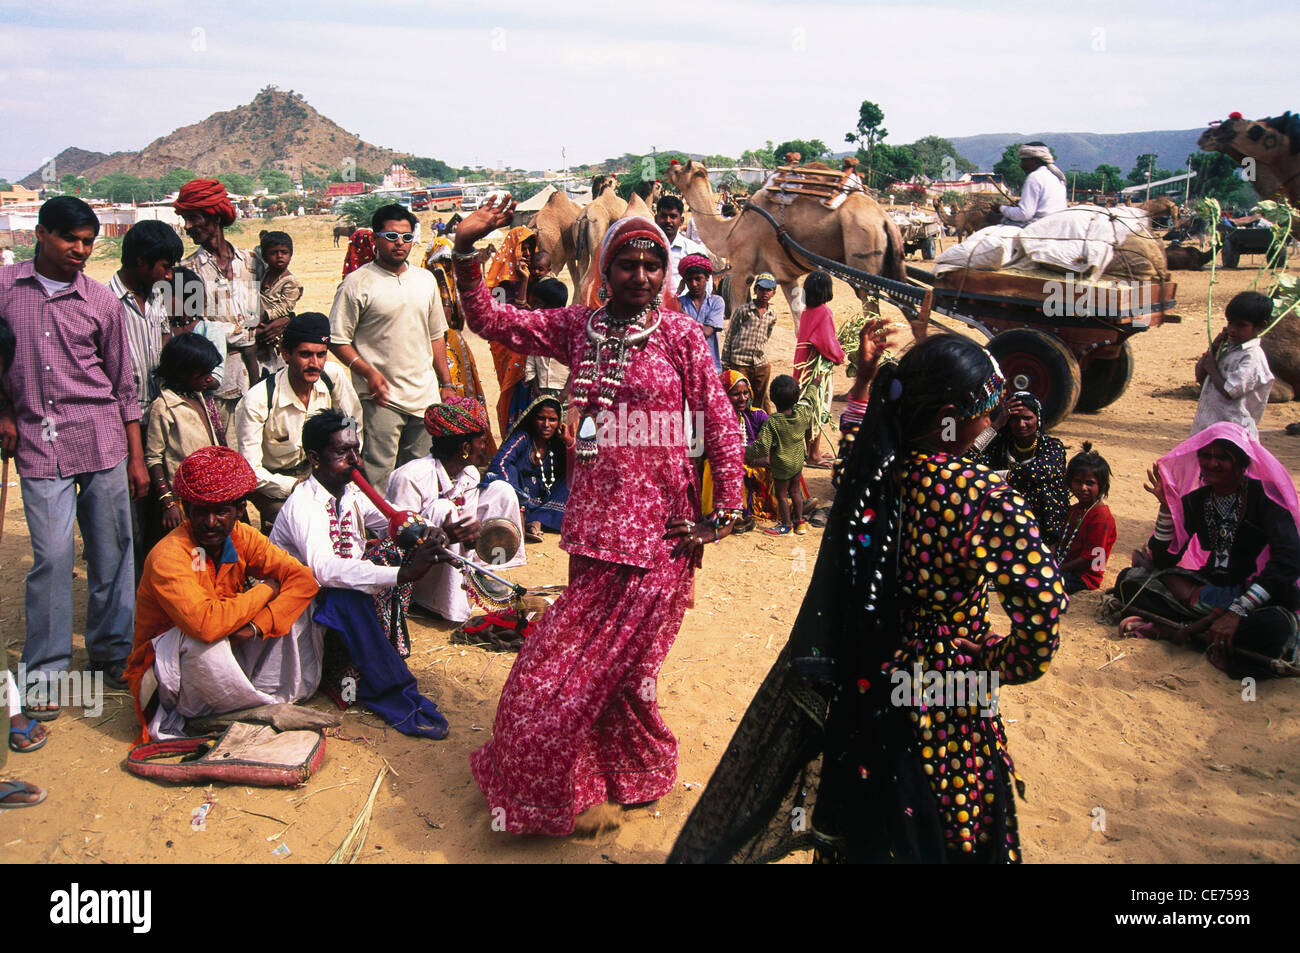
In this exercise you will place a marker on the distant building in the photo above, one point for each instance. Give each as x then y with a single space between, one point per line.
18 195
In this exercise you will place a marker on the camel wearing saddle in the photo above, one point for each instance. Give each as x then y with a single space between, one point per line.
1273 144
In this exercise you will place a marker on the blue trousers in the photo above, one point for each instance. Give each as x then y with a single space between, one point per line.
100 503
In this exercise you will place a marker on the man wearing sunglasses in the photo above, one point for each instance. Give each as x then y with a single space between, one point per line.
383 314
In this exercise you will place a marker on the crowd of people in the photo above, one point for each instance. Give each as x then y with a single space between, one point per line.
153 410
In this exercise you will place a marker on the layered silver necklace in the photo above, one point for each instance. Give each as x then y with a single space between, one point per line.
611 342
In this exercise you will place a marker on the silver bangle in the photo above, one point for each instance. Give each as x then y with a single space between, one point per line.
464 255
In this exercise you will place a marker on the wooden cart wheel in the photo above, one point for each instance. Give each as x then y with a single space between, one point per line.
1105 379
1038 362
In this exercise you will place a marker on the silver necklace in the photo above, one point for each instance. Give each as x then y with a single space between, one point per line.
610 344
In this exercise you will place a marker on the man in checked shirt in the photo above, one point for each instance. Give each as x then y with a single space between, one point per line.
74 426
745 349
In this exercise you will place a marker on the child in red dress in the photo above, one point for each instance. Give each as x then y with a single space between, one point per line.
1089 526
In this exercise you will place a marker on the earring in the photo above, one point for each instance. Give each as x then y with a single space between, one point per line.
603 293
464 452
658 300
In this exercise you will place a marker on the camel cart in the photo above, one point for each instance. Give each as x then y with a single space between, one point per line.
920 233
1079 360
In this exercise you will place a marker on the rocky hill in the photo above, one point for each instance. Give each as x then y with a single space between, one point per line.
277 130
1087 150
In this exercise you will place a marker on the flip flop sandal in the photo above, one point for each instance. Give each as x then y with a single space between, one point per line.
10 788
52 712
26 733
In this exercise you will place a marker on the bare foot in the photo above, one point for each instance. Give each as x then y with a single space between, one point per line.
598 819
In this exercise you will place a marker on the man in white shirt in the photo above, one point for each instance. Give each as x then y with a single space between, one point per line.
268 421
1044 191
323 524
668 216
6 256
387 327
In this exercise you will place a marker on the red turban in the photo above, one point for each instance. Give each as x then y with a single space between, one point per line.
626 230
699 262
211 476
455 417
206 195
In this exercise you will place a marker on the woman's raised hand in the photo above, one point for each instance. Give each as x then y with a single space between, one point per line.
1155 485
493 214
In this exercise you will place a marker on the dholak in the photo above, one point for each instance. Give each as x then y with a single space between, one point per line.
498 541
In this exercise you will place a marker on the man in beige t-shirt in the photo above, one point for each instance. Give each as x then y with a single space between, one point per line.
387 328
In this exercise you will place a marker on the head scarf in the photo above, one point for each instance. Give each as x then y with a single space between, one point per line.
1030 402
1044 153
511 259
361 250
456 417
440 249
699 262
1181 473
206 195
211 476
619 234
731 378
520 424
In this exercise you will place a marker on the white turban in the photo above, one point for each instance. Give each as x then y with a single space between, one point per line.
1044 153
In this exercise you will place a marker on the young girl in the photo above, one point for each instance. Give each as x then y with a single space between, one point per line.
817 337
1089 526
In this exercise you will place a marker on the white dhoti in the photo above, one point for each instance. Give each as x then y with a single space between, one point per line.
442 589
193 679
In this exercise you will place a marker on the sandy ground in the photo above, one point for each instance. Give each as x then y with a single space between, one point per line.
1132 751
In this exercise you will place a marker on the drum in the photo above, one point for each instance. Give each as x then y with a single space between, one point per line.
498 541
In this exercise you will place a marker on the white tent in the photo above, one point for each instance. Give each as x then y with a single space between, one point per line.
537 202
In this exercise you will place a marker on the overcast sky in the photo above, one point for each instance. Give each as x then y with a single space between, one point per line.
485 81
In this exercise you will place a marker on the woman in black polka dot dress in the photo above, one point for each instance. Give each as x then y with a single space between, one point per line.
876 737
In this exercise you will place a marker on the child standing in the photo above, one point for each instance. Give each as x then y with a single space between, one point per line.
780 446
1234 372
1089 526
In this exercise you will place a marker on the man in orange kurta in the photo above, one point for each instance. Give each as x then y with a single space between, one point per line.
215 607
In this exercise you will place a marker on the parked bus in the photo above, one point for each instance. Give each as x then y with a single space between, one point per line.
444 198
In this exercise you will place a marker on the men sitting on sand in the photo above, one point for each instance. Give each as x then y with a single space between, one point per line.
215 608
1044 190
268 421
360 615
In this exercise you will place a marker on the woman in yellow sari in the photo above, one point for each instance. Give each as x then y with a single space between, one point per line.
507 276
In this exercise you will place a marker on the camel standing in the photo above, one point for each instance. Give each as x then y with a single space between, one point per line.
1271 143
858 233
554 226
969 219
589 228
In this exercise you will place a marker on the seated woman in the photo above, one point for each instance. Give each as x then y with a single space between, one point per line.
760 502
1223 561
446 485
184 418
532 459
1034 463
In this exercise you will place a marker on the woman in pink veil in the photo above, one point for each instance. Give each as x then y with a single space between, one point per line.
1224 558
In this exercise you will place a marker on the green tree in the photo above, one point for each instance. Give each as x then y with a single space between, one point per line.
358 211
523 191
940 159
764 158
275 181
719 162
1111 176
237 183
868 132
434 169
891 164
6 186
356 174
650 167
1145 163
1013 177
121 187
173 180
812 150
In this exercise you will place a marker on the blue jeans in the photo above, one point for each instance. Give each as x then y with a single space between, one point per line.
101 505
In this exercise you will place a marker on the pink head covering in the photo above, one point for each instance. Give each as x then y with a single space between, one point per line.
618 235
1181 473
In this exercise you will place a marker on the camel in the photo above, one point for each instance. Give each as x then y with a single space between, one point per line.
1162 206
977 214
343 231
858 233
1273 144
638 208
589 228
554 227
1183 258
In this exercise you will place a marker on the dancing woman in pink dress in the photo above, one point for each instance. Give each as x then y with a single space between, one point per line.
578 723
